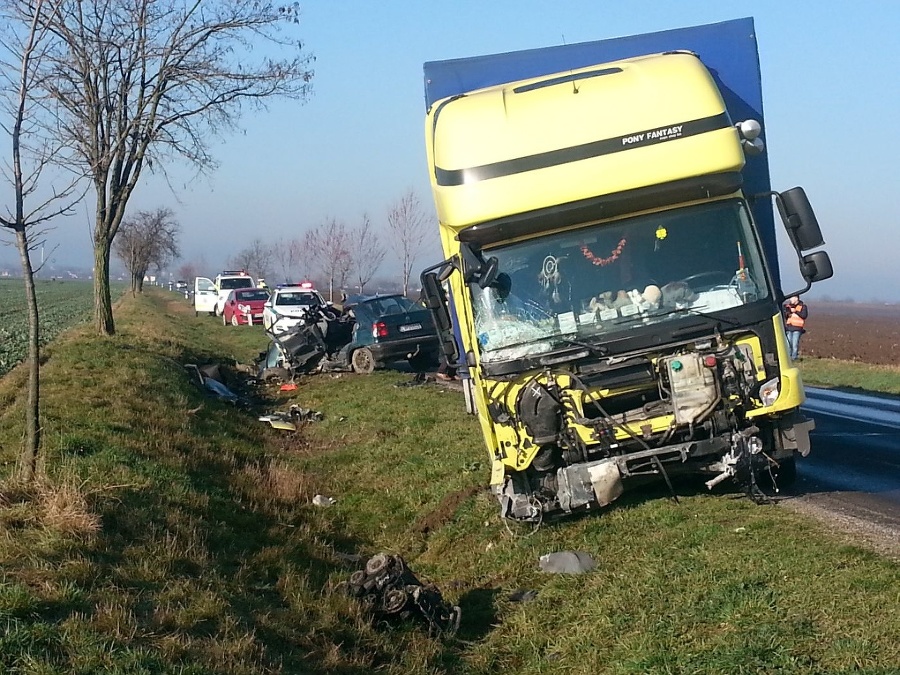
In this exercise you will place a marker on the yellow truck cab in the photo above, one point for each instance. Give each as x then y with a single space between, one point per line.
611 296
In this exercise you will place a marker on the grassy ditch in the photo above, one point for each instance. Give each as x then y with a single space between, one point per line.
851 375
176 534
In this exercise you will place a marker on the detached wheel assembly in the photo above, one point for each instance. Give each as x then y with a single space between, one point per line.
362 361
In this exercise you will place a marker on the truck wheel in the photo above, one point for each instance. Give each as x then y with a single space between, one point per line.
786 474
362 361
421 362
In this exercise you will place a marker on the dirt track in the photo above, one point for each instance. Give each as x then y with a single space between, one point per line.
853 332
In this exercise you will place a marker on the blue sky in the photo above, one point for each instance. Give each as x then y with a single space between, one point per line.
831 88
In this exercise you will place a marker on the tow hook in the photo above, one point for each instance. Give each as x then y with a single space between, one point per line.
414 354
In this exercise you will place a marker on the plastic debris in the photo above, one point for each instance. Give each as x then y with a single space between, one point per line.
289 386
567 562
322 500
392 591
220 390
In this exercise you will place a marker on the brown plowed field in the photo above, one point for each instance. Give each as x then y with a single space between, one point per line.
867 333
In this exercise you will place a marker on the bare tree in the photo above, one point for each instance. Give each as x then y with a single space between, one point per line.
285 258
23 46
139 82
254 259
148 240
408 228
366 252
187 271
328 250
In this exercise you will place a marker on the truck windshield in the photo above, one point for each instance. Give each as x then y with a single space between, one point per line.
618 276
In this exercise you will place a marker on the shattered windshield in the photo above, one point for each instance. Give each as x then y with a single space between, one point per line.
600 279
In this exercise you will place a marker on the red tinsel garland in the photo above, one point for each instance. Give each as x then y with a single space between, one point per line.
613 256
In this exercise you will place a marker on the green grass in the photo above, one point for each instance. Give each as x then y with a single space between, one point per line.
210 558
851 375
61 305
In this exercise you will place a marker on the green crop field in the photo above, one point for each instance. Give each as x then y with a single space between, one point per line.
62 305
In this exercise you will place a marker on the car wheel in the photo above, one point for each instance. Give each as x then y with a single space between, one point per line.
224 320
362 361
234 320
274 375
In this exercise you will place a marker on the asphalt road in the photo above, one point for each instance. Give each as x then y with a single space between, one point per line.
851 478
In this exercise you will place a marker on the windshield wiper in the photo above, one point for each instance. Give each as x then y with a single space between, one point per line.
596 350
697 312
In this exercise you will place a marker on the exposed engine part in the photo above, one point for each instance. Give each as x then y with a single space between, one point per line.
738 461
692 387
592 482
392 591
517 502
540 411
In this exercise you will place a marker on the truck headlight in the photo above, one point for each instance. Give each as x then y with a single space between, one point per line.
768 392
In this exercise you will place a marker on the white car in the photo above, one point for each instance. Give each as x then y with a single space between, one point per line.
227 282
205 296
287 305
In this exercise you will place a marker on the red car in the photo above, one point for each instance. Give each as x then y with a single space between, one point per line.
244 306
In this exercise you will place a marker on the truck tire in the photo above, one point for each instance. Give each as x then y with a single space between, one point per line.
362 361
786 474
422 362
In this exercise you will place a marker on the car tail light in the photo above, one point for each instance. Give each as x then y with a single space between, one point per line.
379 329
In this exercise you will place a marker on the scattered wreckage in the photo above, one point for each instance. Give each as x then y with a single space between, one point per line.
393 593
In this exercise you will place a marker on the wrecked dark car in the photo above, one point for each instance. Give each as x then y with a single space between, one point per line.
369 332
391 328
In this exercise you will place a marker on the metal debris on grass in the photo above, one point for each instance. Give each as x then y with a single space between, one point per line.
389 588
289 419
567 562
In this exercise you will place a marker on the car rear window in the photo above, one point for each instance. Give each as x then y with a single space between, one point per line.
297 298
391 305
236 282
253 294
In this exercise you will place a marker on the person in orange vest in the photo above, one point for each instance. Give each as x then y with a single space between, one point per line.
795 313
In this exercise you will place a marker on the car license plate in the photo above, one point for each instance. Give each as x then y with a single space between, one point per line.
410 326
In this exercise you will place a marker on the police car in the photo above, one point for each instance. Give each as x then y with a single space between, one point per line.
287 305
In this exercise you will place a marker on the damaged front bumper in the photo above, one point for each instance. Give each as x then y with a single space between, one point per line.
598 483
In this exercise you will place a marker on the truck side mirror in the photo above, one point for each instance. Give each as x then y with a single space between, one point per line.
800 219
436 301
816 267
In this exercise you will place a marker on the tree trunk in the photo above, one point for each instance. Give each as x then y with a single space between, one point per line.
103 316
30 450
